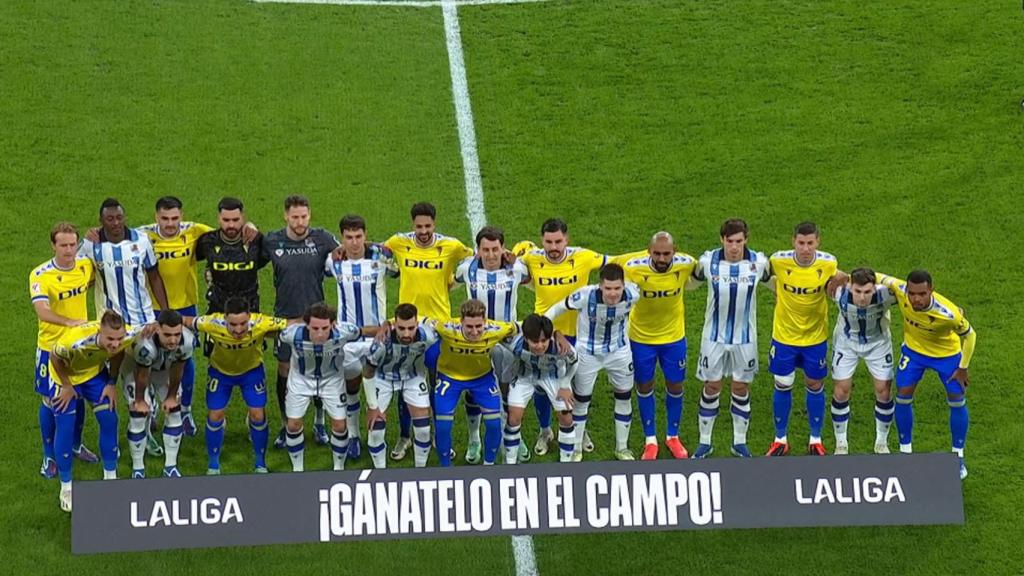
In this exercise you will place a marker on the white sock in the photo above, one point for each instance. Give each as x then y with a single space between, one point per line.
353 417
706 415
339 449
882 426
579 416
378 449
110 474
623 419
473 424
566 442
840 420
137 425
512 439
296 443
172 438
740 418
421 441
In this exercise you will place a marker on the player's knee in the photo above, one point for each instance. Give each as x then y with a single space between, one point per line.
906 392
215 415
814 385
623 395
785 383
352 385
841 390
645 387
712 388
956 400
256 414
294 425
339 426
582 398
738 388
674 388
515 416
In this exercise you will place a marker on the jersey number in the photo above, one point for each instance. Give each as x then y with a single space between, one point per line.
211 386
443 387
903 362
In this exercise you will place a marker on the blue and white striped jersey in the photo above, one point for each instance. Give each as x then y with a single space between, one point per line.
600 328
148 352
319 361
864 325
547 366
497 289
394 361
362 294
731 314
121 273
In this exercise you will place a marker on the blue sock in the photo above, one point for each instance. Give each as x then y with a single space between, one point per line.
79 422
782 403
904 416
404 419
214 441
47 428
259 435
492 436
443 438
188 381
958 422
645 405
63 442
542 406
673 413
107 419
816 410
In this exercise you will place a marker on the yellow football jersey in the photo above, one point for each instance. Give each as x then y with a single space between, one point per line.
801 304
555 281
66 292
426 273
659 317
934 332
176 260
236 356
77 347
465 360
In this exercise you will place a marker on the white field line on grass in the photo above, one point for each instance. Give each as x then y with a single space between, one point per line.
407 3
522 546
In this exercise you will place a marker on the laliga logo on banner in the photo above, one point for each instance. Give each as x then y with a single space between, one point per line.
189 513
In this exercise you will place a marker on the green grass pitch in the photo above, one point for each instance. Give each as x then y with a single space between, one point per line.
897 126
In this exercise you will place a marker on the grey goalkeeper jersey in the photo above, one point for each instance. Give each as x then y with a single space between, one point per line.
298 269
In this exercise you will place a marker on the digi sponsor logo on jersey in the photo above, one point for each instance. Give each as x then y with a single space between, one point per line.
660 293
464 350
800 290
72 293
424 264
233 266
174 254
557 281
869 490
191 512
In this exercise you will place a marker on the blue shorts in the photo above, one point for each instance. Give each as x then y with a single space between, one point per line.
485 392
219 385
431 356
90 390
44 385
913 364
671 356
784 359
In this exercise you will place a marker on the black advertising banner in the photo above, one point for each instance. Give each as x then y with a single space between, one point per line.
245 510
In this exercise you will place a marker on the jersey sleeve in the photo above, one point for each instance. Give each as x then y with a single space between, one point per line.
143 353
523 247
149 255
891 282
698 269
85 249
392 243
288 333
272 324
37 289
462 269
376 353
187 346
205 324
264 253
961 326
329 265
430 331
521 271
349 332
203 245
577 299
633 291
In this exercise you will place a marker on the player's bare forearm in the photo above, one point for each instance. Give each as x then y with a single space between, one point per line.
177 370
115 366
156 283
46 314
141 382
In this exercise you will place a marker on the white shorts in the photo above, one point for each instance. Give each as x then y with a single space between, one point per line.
718 360
618 365
847 353
156 391
414 391
504 363
355 355
521 391
302 391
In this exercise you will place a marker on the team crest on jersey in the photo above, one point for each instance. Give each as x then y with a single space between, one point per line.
310 243
279 252
819 274
38 287
135 247
216 249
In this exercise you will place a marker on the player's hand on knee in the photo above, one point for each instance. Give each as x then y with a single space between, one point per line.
565 395
110 394
141 406
170 404
64 398
961 376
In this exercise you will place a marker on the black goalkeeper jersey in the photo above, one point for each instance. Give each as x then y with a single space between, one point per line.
231 269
